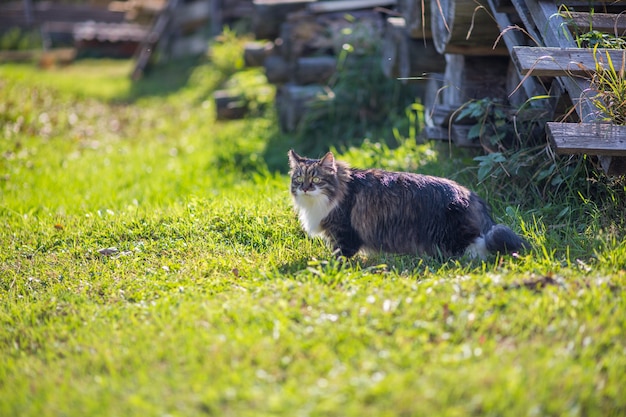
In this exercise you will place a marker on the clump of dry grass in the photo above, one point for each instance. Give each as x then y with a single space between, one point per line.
609 84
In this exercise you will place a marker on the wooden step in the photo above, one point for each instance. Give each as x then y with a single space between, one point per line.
558 62
587 138
601 22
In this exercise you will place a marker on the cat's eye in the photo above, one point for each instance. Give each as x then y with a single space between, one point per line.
316 180
300 179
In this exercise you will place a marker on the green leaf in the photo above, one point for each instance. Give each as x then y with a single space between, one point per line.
474 131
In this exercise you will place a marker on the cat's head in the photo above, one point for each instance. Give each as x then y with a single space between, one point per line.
313 177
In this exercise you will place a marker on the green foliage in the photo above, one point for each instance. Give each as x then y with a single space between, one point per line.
19 40
518 166
227 53
490 123
152 265
596 39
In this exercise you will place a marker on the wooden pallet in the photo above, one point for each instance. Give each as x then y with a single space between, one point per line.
559 62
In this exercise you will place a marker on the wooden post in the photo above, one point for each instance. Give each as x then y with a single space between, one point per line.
28 12
216 17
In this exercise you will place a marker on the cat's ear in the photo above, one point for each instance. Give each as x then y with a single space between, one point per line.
294 158
328 161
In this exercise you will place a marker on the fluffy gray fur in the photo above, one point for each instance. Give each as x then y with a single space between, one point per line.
396 212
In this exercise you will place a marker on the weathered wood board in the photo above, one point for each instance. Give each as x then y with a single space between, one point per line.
557 62
587 138
601 22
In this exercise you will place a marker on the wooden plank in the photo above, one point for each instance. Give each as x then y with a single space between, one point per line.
459 135
587 138
558 62
314 69
347 5
502 6
293 102
602 22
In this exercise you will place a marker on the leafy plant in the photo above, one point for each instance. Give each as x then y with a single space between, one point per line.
519 165
596 39
489 123
17 39
490 164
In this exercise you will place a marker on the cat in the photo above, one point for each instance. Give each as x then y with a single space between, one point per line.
395 212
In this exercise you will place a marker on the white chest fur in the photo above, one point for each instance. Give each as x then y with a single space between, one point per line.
312 209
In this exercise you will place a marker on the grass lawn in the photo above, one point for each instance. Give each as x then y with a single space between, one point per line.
151 265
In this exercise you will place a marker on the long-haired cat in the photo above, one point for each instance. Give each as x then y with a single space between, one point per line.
395 212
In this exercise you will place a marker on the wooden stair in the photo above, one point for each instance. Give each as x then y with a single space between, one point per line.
573 68
548 72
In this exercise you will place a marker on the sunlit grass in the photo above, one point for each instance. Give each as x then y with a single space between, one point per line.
151 264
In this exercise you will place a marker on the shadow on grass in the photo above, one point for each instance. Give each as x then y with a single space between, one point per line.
376 264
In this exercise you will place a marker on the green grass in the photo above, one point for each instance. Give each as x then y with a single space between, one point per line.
214 302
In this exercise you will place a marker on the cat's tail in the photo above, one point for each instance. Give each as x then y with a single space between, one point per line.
501 239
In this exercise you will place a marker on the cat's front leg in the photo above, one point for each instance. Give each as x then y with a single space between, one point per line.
346 244
340 234
344 252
